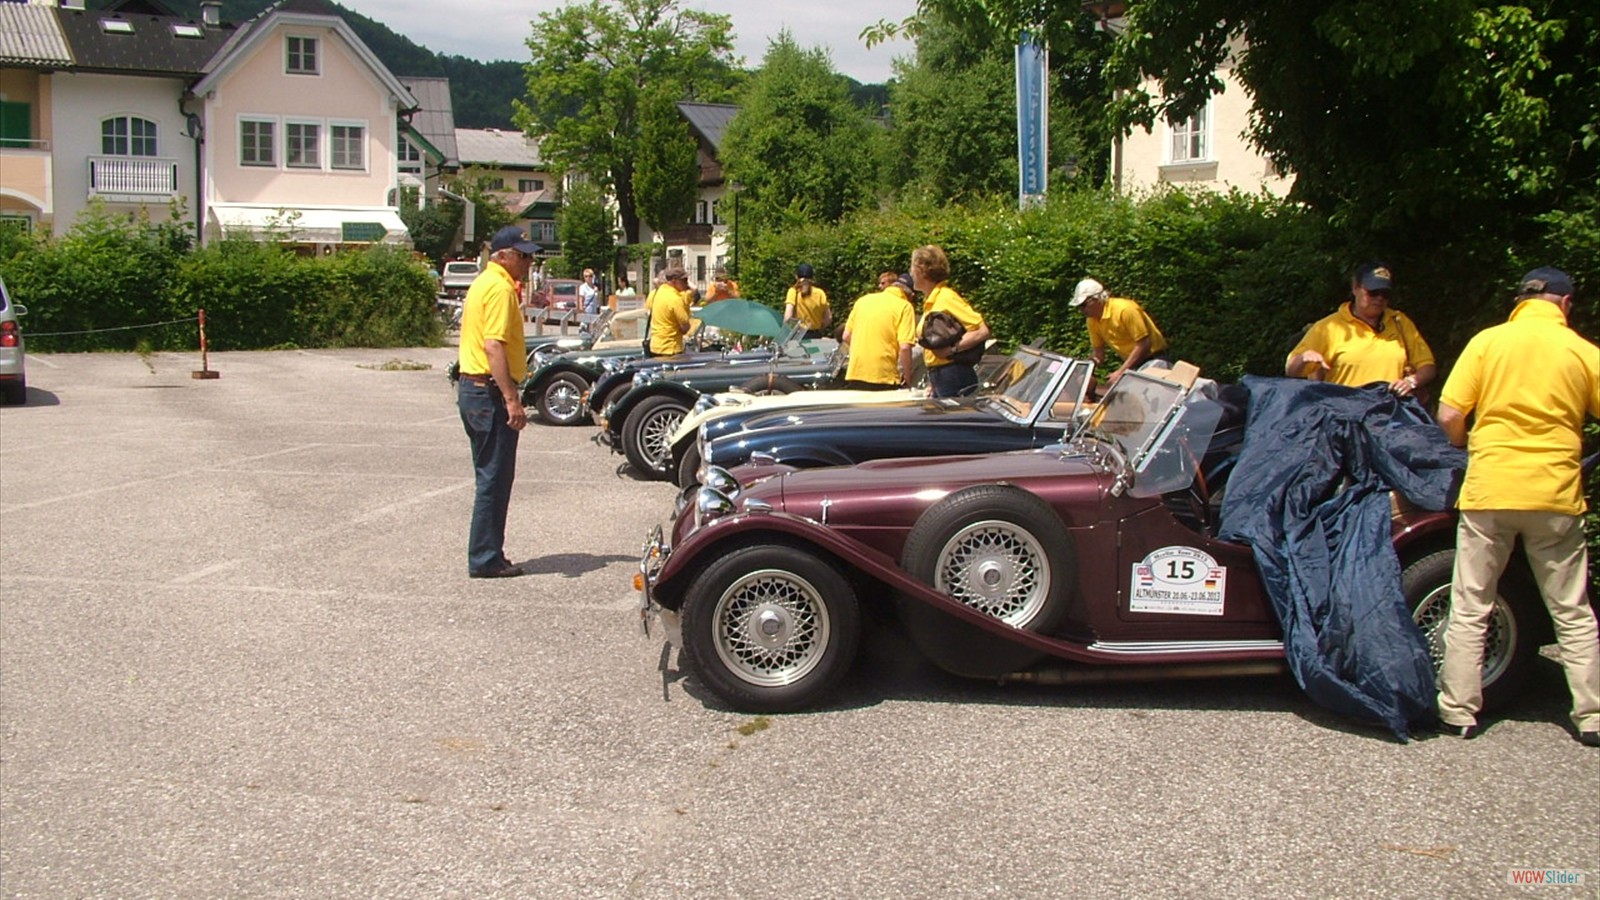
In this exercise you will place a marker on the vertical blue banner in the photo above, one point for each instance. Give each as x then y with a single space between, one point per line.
1033 120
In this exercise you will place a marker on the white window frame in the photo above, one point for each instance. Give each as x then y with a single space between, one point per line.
289 144
702 212
296 48
130 141
334 149
271 122
1189 141
409 158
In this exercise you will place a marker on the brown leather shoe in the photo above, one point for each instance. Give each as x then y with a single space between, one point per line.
509 570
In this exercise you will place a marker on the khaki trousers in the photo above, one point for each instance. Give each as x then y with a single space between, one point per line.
1555 547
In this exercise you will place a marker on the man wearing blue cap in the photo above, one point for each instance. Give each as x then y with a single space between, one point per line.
493 366
1528 384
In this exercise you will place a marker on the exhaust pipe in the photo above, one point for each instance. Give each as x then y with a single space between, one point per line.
1119 674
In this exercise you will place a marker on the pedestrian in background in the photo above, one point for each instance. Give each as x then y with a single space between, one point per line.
930 274
669 312
879 332
1124 325
722 286
493 365
1365 341
1527 383
808 303
589 294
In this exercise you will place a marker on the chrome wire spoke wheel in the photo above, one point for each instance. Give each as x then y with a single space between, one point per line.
564 400
997 568
1499 643
656 434
771 627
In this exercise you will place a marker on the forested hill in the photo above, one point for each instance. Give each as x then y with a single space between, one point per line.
480 92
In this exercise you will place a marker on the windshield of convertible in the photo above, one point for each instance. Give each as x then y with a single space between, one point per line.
1017 386
1160 428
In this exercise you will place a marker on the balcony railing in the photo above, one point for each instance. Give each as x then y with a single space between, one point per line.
133 178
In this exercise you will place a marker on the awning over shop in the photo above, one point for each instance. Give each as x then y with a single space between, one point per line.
310 224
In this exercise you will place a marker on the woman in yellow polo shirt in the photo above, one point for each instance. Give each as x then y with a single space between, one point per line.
930 271
808 303
1365 341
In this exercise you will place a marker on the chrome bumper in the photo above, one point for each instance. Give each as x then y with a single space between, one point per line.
651 559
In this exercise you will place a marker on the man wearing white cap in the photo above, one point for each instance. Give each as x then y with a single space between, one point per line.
1123 324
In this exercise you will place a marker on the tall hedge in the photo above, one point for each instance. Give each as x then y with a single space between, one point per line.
110 283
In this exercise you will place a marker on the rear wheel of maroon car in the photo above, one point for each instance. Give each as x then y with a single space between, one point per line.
1511 643
1002 551
647 435
770 628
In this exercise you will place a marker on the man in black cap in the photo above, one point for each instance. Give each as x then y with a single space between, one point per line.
1528 384
1365 341
493 366
805 302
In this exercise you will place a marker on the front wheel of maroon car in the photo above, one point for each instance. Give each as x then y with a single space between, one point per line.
1510 645
770 628
1001 551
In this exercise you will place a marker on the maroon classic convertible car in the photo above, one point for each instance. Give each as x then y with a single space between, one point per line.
1091 558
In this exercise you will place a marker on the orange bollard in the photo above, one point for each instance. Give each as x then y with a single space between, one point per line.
205 368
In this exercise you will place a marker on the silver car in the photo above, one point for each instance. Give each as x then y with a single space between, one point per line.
13 379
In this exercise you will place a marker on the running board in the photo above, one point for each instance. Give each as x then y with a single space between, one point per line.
1183 648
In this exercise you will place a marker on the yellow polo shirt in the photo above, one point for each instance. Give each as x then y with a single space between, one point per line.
669 319
1528 383
945 297
811 309
1122 324
879 324
490 311
1360 355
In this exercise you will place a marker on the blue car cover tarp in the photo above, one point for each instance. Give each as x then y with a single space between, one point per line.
1309 494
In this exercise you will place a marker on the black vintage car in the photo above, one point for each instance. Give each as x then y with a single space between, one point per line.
638 407
1033 400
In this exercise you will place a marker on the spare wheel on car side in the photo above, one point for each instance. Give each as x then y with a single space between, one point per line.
1002 551
770 627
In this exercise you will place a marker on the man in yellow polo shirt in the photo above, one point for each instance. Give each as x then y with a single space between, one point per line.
808 303
493 361
1365 341
1528 384
880 331
1123 324
669 312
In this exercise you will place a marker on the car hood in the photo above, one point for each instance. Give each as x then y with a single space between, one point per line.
741 403
881 415
895 492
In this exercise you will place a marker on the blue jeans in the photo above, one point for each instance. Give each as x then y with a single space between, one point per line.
494 466
952 379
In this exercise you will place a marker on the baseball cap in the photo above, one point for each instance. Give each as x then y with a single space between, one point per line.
903 281
804 270
1546 280
1375 276
1086 288
512 238
674 273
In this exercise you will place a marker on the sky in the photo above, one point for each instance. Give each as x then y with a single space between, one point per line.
496 29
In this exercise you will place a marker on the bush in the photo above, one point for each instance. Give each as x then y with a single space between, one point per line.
111 283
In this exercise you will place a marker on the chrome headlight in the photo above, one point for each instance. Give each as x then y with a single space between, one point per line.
710 503
720 480
645 376
542 357
706 401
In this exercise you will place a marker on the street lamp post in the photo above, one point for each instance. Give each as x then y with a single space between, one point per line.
733 264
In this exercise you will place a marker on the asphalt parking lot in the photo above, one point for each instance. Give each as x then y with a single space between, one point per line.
240 656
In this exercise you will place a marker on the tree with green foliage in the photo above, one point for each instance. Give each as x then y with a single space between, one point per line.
587 229
433 227
594 63
803 151
667 171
